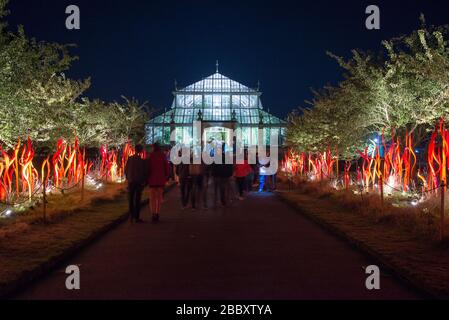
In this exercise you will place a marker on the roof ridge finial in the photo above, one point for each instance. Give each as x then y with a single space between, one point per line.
216 66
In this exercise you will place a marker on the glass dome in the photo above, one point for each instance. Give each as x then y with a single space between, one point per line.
215 99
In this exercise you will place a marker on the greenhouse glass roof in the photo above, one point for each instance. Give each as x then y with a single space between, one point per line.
217 98
217 83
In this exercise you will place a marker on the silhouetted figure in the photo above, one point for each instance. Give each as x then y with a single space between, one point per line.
222 174
241 172
135 171
207 170
265 177
159 171
197 174
185 183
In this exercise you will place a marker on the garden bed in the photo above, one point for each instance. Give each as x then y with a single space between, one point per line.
29 246
409 250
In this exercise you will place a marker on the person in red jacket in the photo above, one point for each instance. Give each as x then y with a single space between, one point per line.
158 173
241 171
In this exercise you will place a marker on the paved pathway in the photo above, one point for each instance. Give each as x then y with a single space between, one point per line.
259 248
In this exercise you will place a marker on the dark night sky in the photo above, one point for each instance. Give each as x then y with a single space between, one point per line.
137 48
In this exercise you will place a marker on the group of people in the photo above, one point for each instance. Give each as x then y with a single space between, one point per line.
229 181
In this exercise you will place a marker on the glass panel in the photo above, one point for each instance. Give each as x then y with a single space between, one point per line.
216 101
238 115
226 101
266 134
255 120
254 113
180 100
217 114
178 134
208 85
157 134
254 135
226 85
178 116
217 85
246 132
188 101
188 116
196 113
208 101
149 135
226 114
244 101
207 114
198 101
187 135
253 101
236 101
166 136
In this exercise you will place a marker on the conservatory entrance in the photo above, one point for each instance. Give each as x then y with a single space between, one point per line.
217 136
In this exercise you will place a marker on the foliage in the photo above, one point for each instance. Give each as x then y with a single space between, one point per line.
404 87
39 101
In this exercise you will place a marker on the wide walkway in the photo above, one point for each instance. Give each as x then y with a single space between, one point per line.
258 248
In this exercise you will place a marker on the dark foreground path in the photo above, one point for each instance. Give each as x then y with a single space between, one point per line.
257 249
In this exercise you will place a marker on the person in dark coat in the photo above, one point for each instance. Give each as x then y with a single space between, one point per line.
196 172
207 169
222 174
135 172
185 183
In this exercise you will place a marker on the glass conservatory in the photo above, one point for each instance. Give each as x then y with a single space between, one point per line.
222 106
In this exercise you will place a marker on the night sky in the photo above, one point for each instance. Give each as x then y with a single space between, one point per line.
137 48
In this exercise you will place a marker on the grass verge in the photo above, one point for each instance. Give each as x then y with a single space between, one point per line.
418 260
41 247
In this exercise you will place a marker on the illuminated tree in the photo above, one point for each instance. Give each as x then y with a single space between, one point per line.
403 88
39 101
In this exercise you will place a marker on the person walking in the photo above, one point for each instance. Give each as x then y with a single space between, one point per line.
222 174
250 178
265 180
207 177
157 178
135 172
197 176
184 182
241 172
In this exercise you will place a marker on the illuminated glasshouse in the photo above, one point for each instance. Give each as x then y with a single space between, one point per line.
222 105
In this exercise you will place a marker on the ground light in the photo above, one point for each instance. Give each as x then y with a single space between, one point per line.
6 213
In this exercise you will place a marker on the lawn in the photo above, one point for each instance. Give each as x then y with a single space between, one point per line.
30 246
409 251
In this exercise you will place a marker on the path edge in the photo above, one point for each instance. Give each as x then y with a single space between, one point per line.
29 277
383 262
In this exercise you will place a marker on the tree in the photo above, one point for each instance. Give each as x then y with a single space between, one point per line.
404 88
39 101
